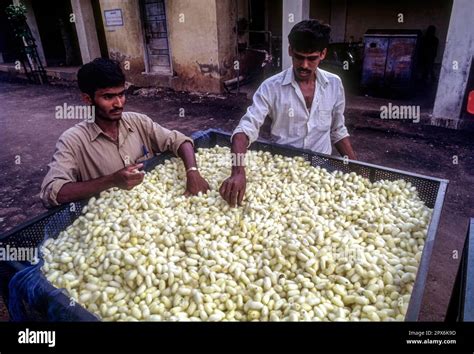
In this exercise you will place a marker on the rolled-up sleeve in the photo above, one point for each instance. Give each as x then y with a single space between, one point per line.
338 127
163 139
61 170
255 116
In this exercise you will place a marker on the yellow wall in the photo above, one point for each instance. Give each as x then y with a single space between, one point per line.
226 35
125 43
194 44
201 55
203 46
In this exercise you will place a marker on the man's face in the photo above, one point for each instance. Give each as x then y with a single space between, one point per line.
305 64
108 102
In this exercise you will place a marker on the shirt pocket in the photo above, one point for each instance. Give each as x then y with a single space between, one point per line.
289 123
142 158
324 119
145 160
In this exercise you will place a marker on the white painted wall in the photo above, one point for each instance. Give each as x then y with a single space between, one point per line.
456 62
294 11
86 30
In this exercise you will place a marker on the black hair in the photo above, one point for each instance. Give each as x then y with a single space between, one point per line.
309 36
100 73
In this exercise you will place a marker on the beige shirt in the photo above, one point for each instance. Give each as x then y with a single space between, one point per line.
280 97
84 152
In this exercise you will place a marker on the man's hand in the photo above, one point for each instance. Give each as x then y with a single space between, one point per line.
233 188
128 177
195 183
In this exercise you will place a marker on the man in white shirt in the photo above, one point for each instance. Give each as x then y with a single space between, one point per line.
306 105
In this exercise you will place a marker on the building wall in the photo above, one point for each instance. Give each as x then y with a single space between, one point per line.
456 66
362 15
320 10
86 30
226 14
194 45
243 12
125 43
201 55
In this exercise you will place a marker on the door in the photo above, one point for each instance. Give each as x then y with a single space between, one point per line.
58 33
400 62
375 59
156 36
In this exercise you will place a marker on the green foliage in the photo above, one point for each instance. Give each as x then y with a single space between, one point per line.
16 12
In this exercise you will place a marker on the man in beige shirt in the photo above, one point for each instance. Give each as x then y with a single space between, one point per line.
108 152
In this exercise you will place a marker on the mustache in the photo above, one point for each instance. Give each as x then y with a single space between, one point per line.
116 110
303 71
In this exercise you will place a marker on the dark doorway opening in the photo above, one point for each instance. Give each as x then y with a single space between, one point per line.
57 32
99 25
7 42
257 23
156 36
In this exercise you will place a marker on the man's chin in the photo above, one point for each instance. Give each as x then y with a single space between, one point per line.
305 76
115 116
302 76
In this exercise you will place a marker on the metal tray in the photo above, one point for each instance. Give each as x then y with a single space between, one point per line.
461 304
431 190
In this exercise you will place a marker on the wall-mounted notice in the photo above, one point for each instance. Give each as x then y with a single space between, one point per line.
113 17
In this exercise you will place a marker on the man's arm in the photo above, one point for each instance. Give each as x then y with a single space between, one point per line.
163 139
61 185
186 153
345 148
339 133
195 183
240 141
126 178
233 188
62 169
254 118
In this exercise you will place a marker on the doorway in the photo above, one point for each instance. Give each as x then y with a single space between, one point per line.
58 33
156 36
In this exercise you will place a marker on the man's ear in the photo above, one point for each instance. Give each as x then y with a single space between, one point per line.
290 51
86 98
323 53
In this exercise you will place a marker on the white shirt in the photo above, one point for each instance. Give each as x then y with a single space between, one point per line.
281 98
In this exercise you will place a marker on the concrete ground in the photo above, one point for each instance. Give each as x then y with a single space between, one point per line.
29 131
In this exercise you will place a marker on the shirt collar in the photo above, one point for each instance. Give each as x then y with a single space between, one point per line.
289 77
95 130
